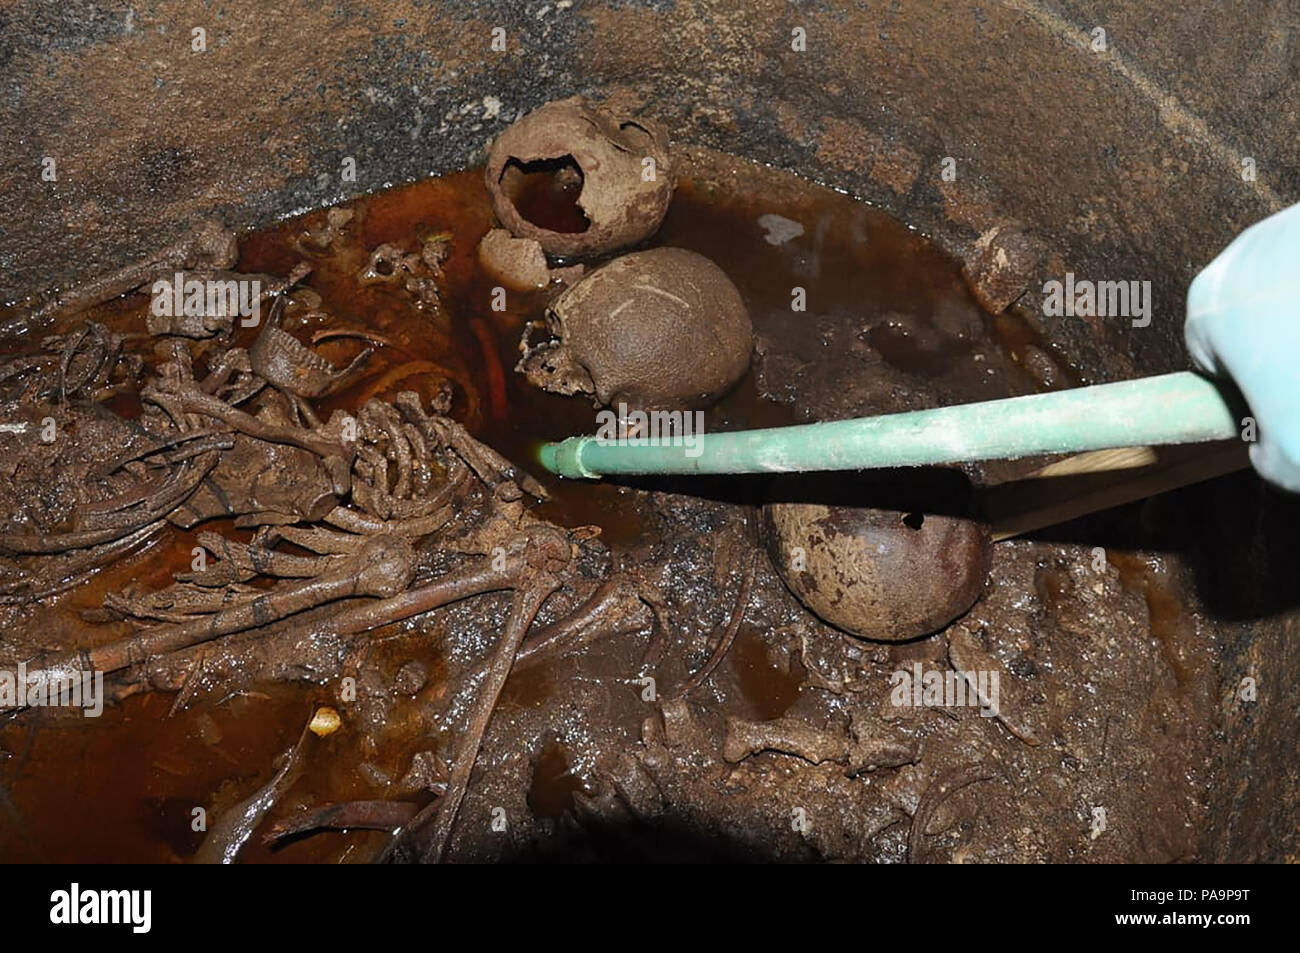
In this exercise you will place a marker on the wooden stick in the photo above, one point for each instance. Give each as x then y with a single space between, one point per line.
1090 482
1099 461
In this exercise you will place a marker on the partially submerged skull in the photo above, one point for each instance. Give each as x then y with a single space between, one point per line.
658 329
882 573
619 167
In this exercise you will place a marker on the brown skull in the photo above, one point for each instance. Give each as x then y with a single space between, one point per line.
659 329
621 165
884 574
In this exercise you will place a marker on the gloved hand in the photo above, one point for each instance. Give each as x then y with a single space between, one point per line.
1243 322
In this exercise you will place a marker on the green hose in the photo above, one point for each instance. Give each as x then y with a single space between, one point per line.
1149 411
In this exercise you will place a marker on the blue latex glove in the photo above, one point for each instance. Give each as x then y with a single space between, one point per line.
1243 322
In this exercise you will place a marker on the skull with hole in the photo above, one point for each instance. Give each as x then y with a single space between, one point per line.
619 168
891 572
663 329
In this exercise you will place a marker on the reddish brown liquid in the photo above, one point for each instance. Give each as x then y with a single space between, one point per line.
123 787
546 194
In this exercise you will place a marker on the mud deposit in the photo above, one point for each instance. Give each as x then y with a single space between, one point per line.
791 748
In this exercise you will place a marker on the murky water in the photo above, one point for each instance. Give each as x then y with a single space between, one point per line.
124 787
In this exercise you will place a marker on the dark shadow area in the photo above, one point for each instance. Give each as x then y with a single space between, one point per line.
630 841
920 490
546 193
1237 534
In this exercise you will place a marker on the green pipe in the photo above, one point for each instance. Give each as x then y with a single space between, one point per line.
1172 408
